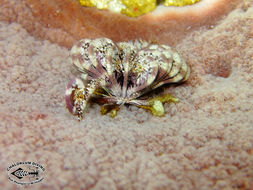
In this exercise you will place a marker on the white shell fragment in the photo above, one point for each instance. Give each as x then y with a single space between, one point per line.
121 72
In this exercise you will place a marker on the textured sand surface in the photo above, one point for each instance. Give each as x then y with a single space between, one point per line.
203 142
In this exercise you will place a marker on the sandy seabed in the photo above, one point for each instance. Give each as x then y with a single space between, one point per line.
203 142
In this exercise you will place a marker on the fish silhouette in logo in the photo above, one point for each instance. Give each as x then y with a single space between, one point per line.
20 173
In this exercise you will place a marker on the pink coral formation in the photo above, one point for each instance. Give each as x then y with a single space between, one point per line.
66 21
203 142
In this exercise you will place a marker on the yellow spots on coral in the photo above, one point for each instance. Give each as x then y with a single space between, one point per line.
113 5
87 3
133 8
180 2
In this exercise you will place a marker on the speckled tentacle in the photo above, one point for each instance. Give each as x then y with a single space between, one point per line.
77 96
179 72
143 73
162 54
94 57
177 69
127 54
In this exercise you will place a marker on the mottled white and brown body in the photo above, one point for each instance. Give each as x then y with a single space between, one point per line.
124 71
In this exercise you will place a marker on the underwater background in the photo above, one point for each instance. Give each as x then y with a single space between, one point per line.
203 142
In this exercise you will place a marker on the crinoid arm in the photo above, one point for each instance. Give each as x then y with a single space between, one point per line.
155 105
